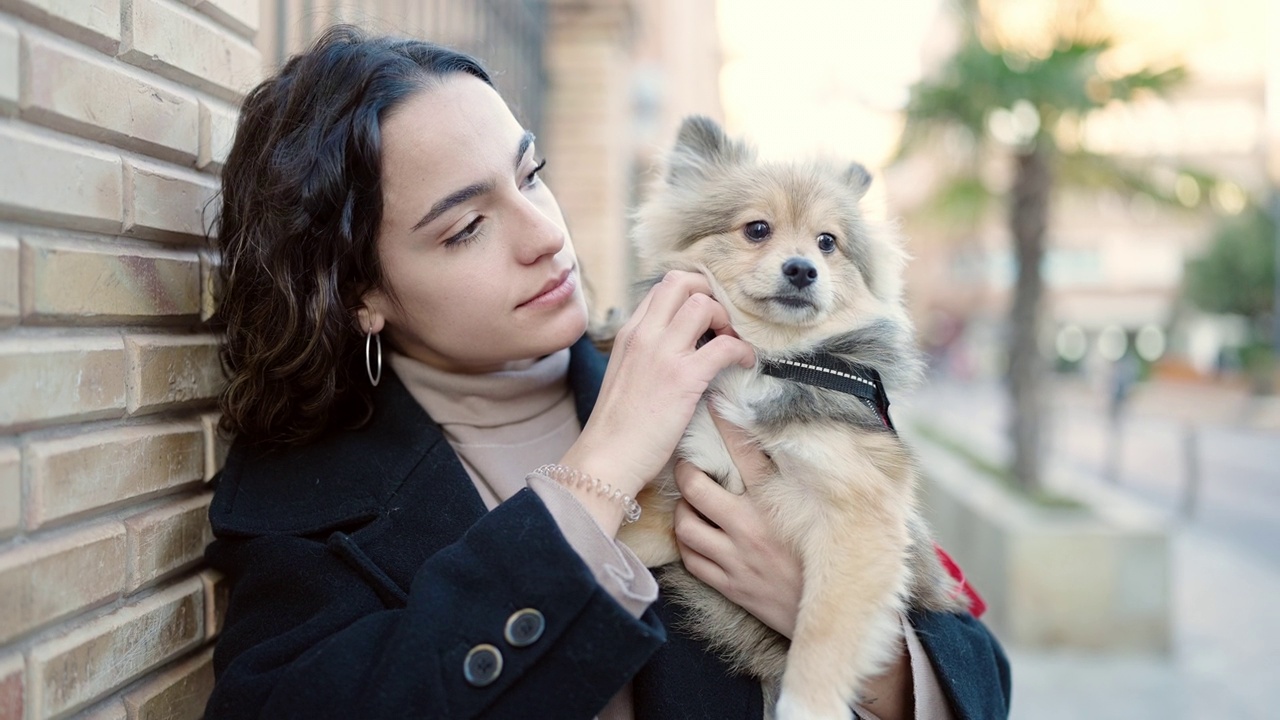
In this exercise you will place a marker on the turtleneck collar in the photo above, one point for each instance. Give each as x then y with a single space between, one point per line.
487 400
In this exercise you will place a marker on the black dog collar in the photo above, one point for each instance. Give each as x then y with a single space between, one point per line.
828 371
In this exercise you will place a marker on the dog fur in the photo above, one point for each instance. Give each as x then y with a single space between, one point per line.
844 494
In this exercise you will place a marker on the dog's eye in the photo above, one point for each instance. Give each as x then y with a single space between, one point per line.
757 231
827 243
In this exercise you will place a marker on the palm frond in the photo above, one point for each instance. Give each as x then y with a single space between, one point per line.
959 204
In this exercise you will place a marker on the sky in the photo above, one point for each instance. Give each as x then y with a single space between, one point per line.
833 75
821 75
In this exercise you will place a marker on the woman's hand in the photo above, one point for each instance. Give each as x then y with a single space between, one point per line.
737 552
751 566
656 376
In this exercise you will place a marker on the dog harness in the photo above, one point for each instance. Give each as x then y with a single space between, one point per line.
831 372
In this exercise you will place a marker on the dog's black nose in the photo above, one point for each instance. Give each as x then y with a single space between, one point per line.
800 271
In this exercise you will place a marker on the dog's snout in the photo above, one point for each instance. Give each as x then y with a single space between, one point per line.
801 272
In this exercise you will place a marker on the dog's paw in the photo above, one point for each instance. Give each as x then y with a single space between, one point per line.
791 707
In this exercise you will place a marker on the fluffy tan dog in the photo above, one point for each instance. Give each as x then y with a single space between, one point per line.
817 290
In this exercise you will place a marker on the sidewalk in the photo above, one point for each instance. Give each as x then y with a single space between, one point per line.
1226 645
1224 663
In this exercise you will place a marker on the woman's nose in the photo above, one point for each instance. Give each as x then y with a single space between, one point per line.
540 234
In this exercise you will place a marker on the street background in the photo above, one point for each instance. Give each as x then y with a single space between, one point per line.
1225 557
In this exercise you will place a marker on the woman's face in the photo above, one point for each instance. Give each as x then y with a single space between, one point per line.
472 244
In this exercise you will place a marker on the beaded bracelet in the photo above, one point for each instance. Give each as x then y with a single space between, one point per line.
567 476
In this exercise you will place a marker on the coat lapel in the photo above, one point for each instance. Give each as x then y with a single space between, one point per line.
432 501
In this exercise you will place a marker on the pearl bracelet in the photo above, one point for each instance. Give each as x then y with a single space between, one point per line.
569 477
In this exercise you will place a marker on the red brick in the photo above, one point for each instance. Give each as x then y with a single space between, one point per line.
101 656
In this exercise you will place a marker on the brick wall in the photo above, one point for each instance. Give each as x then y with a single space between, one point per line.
115 116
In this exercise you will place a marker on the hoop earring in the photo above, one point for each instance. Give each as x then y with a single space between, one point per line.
368 359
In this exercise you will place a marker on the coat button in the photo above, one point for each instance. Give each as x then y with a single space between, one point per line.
524 627
482 665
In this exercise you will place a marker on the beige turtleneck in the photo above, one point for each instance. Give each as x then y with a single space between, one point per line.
502 425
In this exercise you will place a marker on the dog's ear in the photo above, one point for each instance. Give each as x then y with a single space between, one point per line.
857 178
701 145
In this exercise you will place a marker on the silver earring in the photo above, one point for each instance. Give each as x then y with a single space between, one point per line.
369 341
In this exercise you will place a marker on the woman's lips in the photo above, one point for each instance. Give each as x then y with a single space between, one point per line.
556 291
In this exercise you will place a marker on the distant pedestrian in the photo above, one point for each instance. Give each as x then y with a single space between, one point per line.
1124 375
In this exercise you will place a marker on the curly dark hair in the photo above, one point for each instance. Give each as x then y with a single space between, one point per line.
300 210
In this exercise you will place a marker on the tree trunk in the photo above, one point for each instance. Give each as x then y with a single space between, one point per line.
1028 219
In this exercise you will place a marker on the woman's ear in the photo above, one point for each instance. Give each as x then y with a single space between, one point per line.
370 317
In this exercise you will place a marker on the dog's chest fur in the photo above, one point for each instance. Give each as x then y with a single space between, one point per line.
770 409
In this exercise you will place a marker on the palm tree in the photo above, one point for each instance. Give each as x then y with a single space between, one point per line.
1009 100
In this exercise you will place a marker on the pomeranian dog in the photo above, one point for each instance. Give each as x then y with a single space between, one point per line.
816 288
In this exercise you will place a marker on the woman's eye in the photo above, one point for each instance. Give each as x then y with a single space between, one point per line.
757 231
827 242
466 235
532 178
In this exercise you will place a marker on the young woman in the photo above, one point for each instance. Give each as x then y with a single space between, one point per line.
430 533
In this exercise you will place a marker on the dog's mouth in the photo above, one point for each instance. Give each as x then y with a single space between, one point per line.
786 309
790 301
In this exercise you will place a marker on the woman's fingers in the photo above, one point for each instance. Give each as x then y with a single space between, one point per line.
670 292
698 533
675 314
655 379
742 559
698 314
704 495
702 567
668 296
679 310
752 462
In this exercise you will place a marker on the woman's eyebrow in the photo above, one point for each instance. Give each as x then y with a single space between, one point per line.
473 190
455 198
525 141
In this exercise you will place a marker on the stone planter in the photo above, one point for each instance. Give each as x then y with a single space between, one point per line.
1095 578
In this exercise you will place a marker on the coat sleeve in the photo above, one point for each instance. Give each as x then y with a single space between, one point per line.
310 635
968 662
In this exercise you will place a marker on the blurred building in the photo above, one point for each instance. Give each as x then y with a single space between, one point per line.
1114 264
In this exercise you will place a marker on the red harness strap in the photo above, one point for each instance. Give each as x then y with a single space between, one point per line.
977 605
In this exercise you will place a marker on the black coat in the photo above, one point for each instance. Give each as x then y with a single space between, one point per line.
364 568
